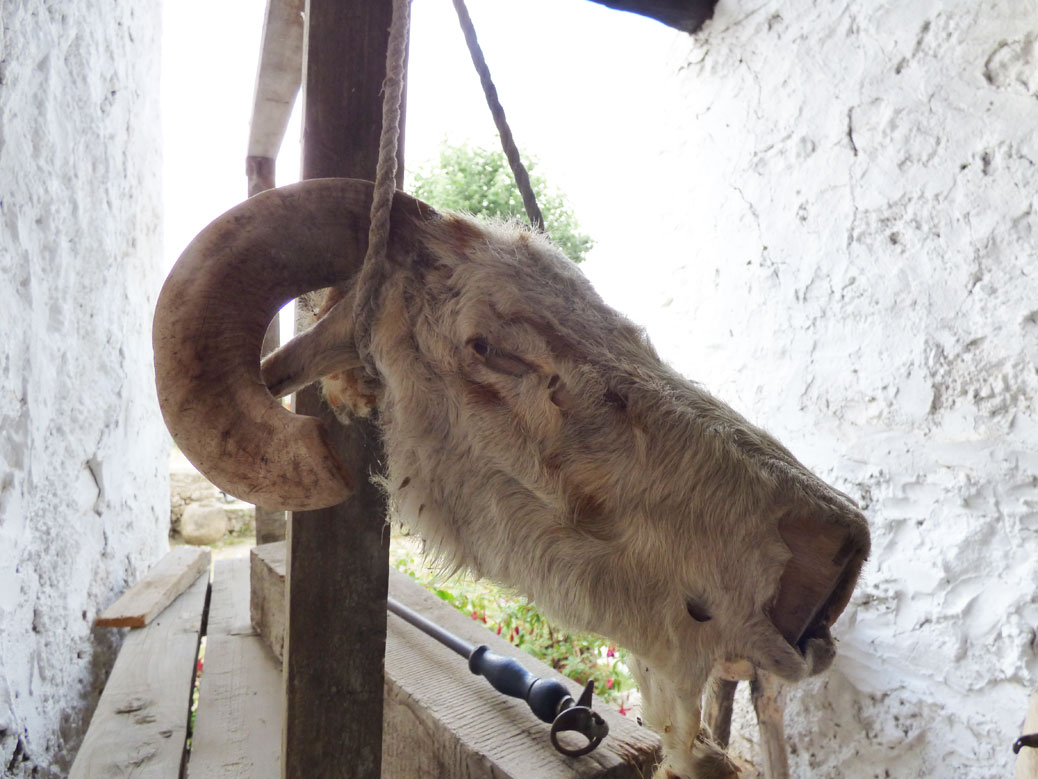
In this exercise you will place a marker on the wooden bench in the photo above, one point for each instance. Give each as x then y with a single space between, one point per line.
439 719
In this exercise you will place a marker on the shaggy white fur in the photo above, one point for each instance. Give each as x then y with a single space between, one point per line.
534 436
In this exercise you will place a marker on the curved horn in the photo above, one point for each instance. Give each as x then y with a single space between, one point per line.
208 330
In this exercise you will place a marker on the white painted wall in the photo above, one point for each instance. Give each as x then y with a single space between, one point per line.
83 485
846 252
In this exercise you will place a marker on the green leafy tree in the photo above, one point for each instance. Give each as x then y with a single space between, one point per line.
479 182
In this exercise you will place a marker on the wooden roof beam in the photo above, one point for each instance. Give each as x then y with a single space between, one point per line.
685 15
278 78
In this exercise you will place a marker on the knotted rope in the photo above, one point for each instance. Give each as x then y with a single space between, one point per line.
375 269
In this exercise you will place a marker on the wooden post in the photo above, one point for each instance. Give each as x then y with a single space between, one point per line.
338 557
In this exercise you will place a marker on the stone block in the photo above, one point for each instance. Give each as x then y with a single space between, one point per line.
204 523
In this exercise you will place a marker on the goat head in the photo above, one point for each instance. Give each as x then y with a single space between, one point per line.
532 435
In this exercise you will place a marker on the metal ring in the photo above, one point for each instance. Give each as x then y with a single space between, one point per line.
579 719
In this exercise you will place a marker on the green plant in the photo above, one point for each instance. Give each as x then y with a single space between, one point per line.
479 182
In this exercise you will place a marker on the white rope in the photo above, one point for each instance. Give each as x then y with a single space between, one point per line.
375 268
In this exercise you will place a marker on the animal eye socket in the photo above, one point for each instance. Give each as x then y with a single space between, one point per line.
497 359
480 346
697 610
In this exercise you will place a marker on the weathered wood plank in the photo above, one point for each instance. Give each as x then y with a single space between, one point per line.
685 15
238 725
267 595
140 724
439 719
338 557
173 574
278 77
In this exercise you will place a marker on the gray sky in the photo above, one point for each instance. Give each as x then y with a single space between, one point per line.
582 85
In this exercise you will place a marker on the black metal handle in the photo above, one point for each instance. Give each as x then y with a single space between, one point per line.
544 696
1025 741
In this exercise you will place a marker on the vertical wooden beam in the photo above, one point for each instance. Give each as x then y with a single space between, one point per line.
338 557
344 63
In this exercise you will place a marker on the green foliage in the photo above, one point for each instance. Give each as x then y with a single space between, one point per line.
479 182
577 655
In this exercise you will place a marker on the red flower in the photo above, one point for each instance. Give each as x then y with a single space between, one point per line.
611 651
609 683
623 709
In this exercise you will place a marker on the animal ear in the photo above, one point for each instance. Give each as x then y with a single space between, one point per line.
325 348
497 359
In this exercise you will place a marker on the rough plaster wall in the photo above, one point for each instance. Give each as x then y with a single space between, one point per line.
856 186
83 489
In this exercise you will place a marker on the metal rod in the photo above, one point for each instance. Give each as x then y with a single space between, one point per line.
463 648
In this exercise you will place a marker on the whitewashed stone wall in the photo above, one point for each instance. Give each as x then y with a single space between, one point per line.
848 253
83 485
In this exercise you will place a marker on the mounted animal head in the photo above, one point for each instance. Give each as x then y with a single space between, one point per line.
532 435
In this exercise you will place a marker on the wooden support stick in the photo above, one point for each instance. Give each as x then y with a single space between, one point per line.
717 711
277 82
278 78
260 174
768 696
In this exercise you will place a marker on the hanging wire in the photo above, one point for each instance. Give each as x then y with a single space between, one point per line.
522 178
